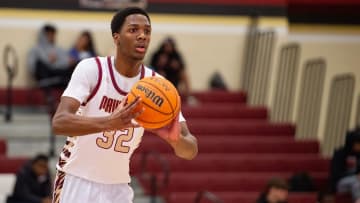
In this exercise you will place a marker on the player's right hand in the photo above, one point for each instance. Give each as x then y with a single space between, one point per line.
170 132
124 114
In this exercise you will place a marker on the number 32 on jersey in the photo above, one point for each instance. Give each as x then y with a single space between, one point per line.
119 136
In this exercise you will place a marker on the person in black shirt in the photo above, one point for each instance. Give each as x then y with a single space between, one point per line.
33 184
168 62
345 167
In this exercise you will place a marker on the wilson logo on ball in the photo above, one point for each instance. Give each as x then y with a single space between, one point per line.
156 99
160 101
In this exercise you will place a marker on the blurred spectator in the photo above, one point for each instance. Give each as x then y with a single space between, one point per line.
83 48
217 82
168 62
301 182
325 197
345 166
276 191
33 183
48 63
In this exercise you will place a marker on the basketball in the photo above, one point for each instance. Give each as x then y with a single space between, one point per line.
160 100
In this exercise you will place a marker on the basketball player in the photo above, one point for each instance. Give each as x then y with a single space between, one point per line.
94 164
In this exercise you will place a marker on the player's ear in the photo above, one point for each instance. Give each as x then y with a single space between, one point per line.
116 37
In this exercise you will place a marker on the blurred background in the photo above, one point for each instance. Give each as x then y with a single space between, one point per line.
270 88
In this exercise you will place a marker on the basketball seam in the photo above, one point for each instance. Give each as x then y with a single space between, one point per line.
172 109
150 106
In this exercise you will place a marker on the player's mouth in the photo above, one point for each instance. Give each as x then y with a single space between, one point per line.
140 48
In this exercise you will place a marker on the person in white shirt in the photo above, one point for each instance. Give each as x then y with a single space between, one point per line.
93 113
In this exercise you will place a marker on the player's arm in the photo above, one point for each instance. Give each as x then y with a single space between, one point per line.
186 145
179 137
67 122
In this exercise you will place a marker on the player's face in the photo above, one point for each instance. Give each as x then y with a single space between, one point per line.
134 37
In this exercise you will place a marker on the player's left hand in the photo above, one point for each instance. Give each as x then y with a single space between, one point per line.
170 132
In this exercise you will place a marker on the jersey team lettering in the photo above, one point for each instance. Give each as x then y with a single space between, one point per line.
108 104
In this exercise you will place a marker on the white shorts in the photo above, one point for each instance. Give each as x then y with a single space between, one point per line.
72 189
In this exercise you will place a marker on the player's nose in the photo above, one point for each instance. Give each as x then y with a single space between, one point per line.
142 35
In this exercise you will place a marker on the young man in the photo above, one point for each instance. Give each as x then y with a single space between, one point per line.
94 164
345 166
276 191
49 64
33 183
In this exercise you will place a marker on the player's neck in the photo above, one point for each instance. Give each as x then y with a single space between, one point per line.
126 67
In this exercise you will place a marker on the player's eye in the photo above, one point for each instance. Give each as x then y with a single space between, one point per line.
132 30
147 31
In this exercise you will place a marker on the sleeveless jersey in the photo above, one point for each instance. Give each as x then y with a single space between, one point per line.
102 157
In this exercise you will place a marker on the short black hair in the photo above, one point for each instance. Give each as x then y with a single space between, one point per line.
49 28
119 18
40 157
278 183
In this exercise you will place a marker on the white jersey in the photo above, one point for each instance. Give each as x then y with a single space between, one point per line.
100 157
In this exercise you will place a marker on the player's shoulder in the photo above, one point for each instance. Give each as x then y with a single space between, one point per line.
151 72
93 62
87 62
147 68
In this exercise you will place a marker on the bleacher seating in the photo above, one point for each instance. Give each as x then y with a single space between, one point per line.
11 164
237 197
3 147
29 97
8 168
239 150
239 144
239 162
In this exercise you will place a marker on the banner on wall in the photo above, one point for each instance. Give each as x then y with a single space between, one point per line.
112 4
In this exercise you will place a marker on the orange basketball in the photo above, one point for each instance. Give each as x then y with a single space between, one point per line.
160 100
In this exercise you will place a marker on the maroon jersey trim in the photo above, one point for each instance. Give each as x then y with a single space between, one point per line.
94 91
122 92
